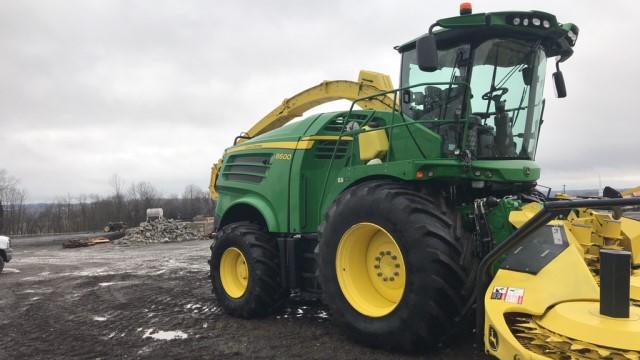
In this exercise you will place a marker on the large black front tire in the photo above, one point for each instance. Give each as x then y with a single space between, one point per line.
264 292
436 263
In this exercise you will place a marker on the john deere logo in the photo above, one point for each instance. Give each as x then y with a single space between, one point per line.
527 171
493 339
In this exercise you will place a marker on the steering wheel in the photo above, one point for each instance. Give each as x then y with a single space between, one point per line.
499 92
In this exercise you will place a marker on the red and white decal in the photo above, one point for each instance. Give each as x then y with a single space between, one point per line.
514 296
508 294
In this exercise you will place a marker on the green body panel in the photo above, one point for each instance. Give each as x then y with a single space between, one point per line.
265 205
481 170
270 196
300 184
498 219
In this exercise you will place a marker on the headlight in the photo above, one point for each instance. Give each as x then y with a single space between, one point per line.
525 21
546 24
516 21
535 21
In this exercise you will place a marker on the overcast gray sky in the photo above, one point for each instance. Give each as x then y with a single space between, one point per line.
155 90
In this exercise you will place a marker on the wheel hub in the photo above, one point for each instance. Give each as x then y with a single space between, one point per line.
387 266
234 272
370 269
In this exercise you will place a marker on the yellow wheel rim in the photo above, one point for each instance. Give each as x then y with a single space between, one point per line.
370 269
234 272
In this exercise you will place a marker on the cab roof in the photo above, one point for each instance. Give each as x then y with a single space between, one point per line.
557 39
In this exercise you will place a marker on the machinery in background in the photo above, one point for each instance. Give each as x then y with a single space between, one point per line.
6 252
115 226
154 214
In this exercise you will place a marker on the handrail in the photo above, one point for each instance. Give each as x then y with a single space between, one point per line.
393 111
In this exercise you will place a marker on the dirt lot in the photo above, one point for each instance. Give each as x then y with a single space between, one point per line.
152 302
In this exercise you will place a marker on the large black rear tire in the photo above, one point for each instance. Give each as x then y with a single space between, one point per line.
263 292
436 264
1 263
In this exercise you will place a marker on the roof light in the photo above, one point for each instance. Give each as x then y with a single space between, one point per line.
535 21
466 8
516 21
525 21
546 24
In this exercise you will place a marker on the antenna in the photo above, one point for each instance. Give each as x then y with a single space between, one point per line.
600 189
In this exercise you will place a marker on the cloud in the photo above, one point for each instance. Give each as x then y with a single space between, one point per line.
155 90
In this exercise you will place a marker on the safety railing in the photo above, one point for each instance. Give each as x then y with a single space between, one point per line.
403 122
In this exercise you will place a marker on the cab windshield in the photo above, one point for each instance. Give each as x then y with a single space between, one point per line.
503 101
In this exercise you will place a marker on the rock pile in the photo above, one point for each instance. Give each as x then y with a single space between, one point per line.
159 231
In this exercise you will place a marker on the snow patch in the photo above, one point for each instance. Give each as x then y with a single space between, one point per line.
100 318
11 270
36 291
164 335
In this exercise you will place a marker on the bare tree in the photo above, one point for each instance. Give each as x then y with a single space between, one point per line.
117 186
195 202
12 210
147 194
140 196
92 212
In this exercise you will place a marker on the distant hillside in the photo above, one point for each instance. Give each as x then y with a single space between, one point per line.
35 208
584 192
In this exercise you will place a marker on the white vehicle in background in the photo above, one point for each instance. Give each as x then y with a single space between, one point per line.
154 214
5 251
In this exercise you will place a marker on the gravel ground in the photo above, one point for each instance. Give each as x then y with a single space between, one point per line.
154 302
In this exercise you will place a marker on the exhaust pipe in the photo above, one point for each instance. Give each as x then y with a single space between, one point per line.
615 283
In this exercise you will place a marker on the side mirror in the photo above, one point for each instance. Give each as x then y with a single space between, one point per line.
427 50
561 88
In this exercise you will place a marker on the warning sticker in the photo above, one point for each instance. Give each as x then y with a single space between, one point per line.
557 235
499 293
508 294
514 296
